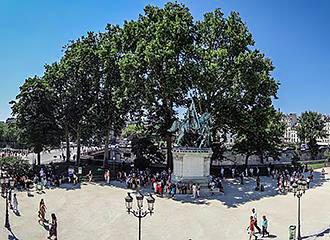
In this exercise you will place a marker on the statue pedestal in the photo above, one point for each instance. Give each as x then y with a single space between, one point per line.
191 165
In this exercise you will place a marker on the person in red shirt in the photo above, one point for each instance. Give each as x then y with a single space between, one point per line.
251 229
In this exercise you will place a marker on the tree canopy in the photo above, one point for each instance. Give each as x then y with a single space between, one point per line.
34 109
148 68
311 126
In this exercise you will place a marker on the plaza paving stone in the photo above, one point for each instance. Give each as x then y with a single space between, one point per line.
94 211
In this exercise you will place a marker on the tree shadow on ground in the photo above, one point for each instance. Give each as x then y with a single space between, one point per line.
70 186
324 232
234 194
237 194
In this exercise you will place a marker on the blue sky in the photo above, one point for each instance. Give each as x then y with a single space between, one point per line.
295 34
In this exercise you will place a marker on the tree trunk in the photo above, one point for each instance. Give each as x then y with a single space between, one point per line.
78 146
261 156
38 158
213 146
169 152
67 141
106 149
247 159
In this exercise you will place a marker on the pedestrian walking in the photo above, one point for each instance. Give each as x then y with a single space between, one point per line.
257 183
15 204
194 190
323 172
250 229
90 176
251 172
255 219
242 177
233 172
53 227
264 225
212 185
107 177
198 190
42 211
222 171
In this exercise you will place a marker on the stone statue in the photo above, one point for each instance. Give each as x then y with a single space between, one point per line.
193 130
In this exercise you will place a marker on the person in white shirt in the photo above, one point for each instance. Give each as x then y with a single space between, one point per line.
255 218
194 190
198 190
251 172
15 204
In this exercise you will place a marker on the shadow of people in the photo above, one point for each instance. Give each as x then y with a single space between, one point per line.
12 236
17 213
272 236
30 194
45 225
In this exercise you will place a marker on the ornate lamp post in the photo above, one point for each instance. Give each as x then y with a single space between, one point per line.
140 213
299 189
6 183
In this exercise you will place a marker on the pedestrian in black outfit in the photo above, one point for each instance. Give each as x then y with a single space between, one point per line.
53 228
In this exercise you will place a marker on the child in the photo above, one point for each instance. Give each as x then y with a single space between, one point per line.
264 225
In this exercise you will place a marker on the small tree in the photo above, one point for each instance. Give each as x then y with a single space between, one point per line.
145 151
34 109
311 126
15 166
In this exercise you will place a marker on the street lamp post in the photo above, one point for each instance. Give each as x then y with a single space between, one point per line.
6 183
140 213
299 189
114 164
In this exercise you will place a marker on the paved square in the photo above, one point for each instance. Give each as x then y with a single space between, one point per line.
98 212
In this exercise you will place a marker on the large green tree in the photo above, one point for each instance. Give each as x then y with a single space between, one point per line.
34 110
111 105
58 82
219 42
235 85
157 64
311 126
144 145
255 121
261 134
81 68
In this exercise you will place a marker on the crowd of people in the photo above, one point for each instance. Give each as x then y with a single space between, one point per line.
22 153
162 184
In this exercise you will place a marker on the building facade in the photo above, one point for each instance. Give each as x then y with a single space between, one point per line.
291 136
